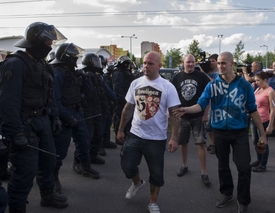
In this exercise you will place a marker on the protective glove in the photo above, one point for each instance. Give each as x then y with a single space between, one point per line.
72 122
19 141
56 125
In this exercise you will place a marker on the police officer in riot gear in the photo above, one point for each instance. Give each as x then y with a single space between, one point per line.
27 109
94 102
108 112
122 78
67 84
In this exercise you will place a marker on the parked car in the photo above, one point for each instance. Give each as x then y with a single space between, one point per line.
168 73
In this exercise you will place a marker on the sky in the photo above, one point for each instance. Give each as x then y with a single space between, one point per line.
218 26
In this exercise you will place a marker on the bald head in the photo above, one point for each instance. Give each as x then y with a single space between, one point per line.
153 55
151 65
189 56
189 63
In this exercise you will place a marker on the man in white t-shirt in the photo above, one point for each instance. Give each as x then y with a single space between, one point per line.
149 99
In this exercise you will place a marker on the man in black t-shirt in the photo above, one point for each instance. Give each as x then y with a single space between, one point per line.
189 84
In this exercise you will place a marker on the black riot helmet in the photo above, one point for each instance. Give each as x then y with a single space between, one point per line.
103 60
38 39
38 32
91 60
67 53
124 62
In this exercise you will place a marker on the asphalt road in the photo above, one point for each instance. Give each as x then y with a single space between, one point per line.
185 194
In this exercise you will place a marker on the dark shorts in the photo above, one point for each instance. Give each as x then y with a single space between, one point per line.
152 150
195 126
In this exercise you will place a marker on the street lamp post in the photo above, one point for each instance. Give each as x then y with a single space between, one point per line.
132 36
220 40
266 57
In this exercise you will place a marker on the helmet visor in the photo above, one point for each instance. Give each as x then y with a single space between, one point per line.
51 33
97 62
74 50
133 66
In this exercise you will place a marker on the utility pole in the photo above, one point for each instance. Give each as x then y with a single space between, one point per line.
220 41
266 56
132 36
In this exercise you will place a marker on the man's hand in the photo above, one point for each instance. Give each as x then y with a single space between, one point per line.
179 112
172 145
19 141
120 136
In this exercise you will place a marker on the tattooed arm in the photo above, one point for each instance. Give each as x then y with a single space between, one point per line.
173 142
126 115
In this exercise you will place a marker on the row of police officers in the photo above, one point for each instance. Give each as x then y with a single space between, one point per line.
45 106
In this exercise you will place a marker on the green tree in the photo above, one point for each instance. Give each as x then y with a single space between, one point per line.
249 59
271 58
194 49
176 56
238 53
259 58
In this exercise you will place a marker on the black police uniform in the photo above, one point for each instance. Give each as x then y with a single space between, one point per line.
122 78
3 198
25 99
108 114
5 173
68 99
94 103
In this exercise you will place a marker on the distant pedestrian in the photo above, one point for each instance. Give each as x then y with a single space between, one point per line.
149 98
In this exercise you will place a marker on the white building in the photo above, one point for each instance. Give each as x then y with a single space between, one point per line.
7 43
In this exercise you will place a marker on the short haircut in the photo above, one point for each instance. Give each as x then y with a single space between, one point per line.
214 56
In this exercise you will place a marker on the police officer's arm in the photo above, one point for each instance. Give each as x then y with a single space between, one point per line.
12 75
109 92
58 83
127 114
88 87
118 85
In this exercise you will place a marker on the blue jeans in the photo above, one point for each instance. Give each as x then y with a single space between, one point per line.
152 150
239 141
262 158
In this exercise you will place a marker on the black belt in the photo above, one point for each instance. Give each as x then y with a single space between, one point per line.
35 112
77 107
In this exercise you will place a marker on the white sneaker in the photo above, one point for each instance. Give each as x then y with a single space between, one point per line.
133 190
153 208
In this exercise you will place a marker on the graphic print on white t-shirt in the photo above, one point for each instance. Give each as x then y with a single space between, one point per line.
147 101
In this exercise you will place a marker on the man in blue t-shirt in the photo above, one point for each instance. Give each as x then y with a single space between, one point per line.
232 99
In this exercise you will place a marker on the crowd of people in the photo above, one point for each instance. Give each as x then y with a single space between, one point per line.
47 104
